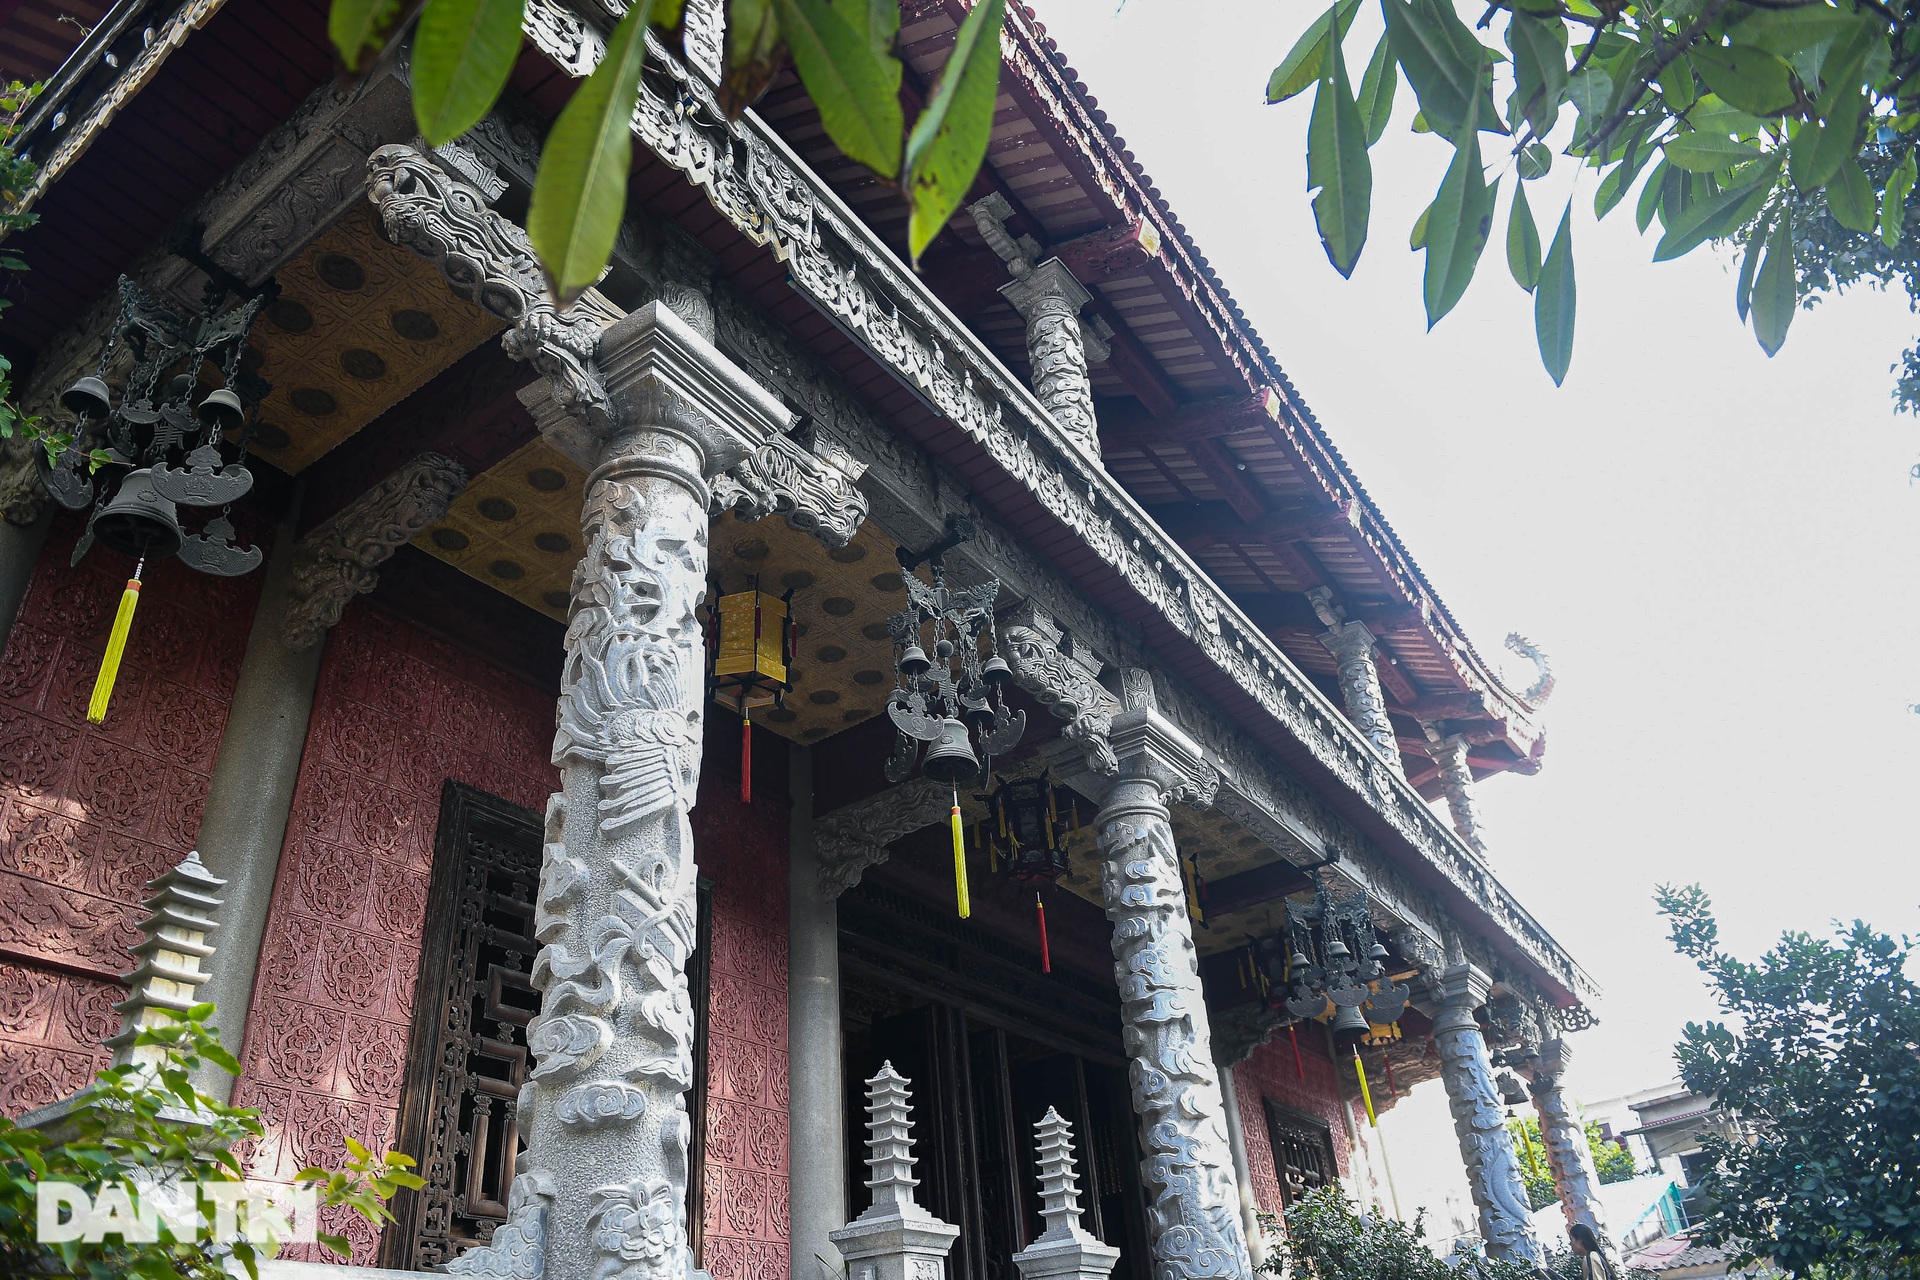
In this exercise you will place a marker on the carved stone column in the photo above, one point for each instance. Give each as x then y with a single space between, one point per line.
1050 299
1242 1167
1194 1198
817 1182
1564 1134
1449 751
1479 1119
1352 646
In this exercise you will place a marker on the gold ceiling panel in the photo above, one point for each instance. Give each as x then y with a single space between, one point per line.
517 529
360 324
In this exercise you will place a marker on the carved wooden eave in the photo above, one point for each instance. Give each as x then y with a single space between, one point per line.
834 260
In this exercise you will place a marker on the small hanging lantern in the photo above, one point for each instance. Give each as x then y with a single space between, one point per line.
164 445
1028 831
750 635
949 686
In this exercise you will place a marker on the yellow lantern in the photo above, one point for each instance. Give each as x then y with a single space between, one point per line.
752 642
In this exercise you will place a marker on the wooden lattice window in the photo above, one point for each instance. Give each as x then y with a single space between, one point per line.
1302 1151
468 1056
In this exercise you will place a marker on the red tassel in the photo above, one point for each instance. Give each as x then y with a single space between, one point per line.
1040 910
746 756
1298 1065
1387 1059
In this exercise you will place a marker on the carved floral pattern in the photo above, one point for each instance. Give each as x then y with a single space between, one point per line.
88 815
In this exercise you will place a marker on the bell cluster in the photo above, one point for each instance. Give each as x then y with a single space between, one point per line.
1329 963
163 444
950 683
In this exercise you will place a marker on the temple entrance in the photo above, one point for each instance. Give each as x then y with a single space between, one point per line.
985 1061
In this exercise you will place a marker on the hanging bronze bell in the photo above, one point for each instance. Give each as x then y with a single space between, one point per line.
950 760
139 522
87 398
913 662
222 410
1350 1021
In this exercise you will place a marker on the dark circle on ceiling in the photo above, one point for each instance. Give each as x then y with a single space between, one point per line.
362 364
288 316
555 600
750 549
875 631
836 606
886 582
798 580
852 553
556 543
451 540
823 697
314 402
830 653
497 509
546 480
816 732
854 716
339 271
511 570
252 359
268 436
780 715
869 677
415 326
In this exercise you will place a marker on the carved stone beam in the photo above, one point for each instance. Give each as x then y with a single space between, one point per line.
1480 1118
1564 1134
489 260
856 836
1116 251
1449 752
1046 665
1187 1169
341 557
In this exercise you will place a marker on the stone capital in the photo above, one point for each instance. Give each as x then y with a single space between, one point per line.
1147 748
1349 642
1049 286
1459 990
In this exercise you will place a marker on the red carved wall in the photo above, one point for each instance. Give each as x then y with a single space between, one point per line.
1310 1084
743 850
89 814
396 713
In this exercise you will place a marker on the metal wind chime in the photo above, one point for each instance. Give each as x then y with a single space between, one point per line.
1027 830
751 641
949 687
1328 964
164 445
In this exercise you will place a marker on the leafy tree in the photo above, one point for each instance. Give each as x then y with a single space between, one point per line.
464 51
1328 1238
1734 119
1613 1162
128 1128
1820 1063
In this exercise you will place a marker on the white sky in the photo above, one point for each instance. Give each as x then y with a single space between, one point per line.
1717 549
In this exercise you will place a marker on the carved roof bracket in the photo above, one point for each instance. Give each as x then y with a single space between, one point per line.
856 836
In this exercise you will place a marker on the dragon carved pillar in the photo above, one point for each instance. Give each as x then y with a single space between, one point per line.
1479 1119
670 431
1565 1137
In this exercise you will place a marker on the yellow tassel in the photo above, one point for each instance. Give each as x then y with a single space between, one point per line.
116 649
1366 1095
960 862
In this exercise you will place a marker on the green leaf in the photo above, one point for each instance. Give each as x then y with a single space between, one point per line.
1338 166
1539 69
1893 205
357 27
1785 31
877 20
856 93
1756 236
1708 152
338 1244
1650 197
754 53
1751 79
1303 63
1589 92
1446 66
1457 225
1377 86
1850 197
1553 302
1774 297
1535 161
580 192
1417 238
1818 150
950 138
1721 214
1676 84
1523 241
463 52
1619 180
